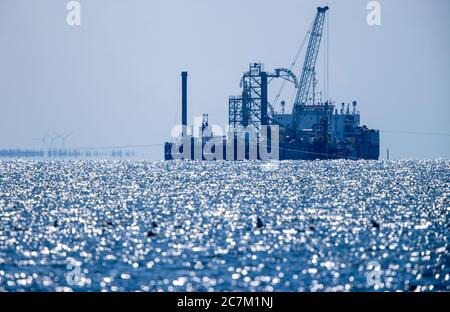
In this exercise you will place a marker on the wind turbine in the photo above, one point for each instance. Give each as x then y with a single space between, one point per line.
63 140
53 138
43 140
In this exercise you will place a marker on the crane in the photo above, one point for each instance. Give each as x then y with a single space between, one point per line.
307 74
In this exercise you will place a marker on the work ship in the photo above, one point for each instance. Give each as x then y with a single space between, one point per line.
313 129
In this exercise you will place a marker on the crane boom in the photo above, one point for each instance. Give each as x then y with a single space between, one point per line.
309 65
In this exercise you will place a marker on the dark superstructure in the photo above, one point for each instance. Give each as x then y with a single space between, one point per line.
312 130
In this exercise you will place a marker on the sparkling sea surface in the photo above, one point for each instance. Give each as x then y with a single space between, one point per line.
224 226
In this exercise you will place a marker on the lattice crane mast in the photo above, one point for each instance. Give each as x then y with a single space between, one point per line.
307 75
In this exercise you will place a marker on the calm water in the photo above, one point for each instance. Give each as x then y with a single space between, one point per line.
326 225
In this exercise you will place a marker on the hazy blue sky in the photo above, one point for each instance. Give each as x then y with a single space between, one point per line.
115 80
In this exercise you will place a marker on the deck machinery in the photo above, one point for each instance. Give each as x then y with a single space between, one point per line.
313 129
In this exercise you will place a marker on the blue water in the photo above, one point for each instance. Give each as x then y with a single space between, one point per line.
288 226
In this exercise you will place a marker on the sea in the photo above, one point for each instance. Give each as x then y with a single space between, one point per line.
340 225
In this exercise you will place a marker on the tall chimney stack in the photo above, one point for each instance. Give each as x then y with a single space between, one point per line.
184 102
